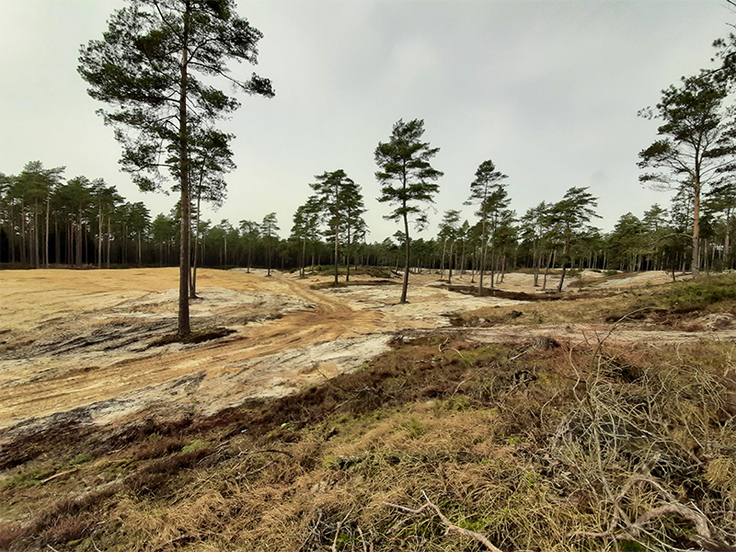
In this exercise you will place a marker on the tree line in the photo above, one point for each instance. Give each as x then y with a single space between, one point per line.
45 221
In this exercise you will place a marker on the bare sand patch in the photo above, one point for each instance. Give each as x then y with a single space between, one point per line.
88 339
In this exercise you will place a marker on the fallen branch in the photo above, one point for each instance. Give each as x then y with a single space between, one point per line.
58 475
700 521
264 451
447 523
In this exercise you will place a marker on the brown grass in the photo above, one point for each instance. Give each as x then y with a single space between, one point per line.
557 449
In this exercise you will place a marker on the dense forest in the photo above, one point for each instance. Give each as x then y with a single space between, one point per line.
47 221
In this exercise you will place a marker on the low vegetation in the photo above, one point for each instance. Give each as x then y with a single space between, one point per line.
535 447
676 305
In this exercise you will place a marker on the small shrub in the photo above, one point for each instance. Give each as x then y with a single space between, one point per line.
79 459
702 292
194 445
26 479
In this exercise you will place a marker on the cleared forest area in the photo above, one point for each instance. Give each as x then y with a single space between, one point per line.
301 416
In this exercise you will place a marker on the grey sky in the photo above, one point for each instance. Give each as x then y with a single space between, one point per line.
549 90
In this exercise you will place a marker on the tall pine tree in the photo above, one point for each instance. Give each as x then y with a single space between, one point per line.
154 66
407 180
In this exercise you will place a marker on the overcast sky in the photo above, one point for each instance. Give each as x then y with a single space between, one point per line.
548 89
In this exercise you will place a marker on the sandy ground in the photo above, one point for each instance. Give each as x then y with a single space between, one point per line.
71 339
86 339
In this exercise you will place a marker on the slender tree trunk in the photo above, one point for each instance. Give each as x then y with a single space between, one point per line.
405 283
193 283
12 233
337 231
473 264
566 253
727 240
79 237
493 270
109 231
268 254
36 237
57 241
99 238
347 267
442 262
449 264
302 271
484 245
696 226
183 322
70 235
550 262
22 234
462 260
562 278
48 216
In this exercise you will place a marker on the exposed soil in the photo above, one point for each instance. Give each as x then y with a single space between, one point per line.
98 343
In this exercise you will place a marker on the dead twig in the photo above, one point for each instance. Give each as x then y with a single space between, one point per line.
58 475
264 451
447 523
362 539
616 323
519 355
311 532
337 534
445 342
700 521
333 548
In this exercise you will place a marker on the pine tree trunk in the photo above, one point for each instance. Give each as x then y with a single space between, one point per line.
48 216
99 238
347 263
36 237
405 283
449 265
193 283
109 231
550 262
183 321
12 233
696 228
22 234
57 242
483 257
79 237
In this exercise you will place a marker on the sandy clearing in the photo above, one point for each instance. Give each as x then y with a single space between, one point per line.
70 339
82 339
